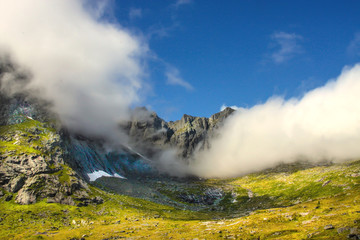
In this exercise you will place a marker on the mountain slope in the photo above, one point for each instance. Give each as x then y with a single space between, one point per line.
47 170
151 134
324 205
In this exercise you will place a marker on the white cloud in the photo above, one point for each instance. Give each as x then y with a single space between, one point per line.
354 46
89 69
135 13
322 125
173 78
99 8
222 108
286 46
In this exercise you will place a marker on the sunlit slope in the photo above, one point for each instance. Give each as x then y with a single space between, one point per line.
319 202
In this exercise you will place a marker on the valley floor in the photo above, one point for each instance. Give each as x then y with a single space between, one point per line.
288 202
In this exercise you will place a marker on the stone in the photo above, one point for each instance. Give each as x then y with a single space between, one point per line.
343 229
152 134
328 227
307 222
16 183
353 236
97 200
326 183
68 201
8 198
25 197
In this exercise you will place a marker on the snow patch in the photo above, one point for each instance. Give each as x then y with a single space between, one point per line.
98 174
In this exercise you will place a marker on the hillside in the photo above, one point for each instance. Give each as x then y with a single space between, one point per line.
46 192
319 202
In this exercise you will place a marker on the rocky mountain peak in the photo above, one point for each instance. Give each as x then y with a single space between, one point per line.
222 115
150 133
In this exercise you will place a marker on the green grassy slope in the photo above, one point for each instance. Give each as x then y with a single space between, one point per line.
284 206
287 202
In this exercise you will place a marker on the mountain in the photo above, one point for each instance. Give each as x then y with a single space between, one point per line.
58 184
149 133
43 160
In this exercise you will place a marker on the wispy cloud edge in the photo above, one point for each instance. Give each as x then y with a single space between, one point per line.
173 78
287 46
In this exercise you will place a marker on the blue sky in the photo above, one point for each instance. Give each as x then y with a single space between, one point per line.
209 53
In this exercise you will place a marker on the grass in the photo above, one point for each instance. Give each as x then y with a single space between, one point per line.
128 217
28 137
288 202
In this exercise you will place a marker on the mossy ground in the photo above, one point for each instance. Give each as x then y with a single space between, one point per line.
27 137
284 203
298 212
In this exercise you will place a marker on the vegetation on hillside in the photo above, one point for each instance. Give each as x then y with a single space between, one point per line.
291 201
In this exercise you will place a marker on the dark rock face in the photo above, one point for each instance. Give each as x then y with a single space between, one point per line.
149 133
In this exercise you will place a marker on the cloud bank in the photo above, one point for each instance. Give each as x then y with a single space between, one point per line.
323 125
89 69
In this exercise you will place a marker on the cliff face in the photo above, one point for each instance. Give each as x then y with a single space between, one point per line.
34 157
150 133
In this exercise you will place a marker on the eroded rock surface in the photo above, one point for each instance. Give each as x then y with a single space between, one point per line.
149 133
33 161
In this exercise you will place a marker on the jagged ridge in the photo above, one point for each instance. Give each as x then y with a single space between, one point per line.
148 132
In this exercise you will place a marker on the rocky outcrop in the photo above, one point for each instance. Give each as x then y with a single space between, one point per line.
149 133
40 160
34 160
191 133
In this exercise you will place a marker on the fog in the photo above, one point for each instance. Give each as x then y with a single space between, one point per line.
91 72
89 69
322 125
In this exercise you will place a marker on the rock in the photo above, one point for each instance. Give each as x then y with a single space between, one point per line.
343 229
328 227
354 230
97 200
250 193
326 183
16 183
152 134
307 222
25 197
68 201
353 236
8 198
